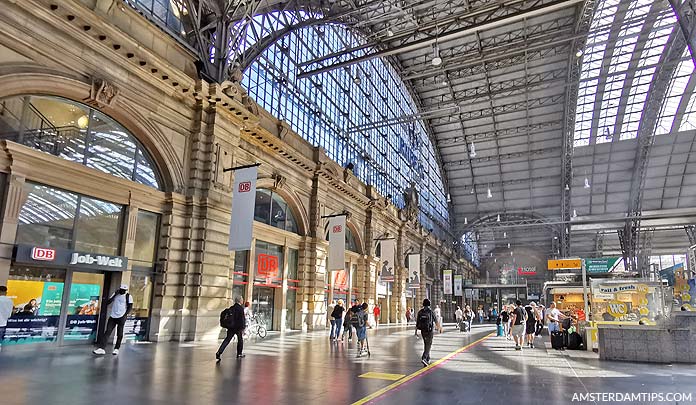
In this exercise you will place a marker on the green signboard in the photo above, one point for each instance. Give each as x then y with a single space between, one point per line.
603 265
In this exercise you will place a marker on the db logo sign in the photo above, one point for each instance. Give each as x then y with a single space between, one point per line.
245 187
337 228
267 265
44 254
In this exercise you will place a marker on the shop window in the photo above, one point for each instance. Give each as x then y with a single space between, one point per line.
62 220
140 288
293 284
146 232
77 133
272 210
37 295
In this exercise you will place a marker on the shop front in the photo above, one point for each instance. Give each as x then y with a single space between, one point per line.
77 235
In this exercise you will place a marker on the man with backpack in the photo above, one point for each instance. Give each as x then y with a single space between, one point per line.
121 303
425 322
234 321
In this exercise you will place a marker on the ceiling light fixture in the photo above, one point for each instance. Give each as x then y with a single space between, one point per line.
436 60
587 182
511 253
498 218
495 260
466 221
504 235
567 187
472 190
575 214
490 195
473 150
508 245
390 33
578 53
449 198
82 122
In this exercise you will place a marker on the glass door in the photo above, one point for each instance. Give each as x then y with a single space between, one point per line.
83 307
262 305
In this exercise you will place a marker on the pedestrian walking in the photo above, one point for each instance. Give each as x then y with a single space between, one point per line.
438 318
539 315
530 326
459 317
425 322
505 320
337 320
329 318
6 307
359 322
408 315
234 321
376 312
121 304
468 318
518 324
480 314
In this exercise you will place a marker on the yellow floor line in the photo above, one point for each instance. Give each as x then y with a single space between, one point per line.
417 373
383 376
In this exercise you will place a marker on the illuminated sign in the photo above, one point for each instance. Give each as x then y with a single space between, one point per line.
565 264
43 254
267 266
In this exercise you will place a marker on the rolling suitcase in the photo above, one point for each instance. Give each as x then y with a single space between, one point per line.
559 340
574 341
501 332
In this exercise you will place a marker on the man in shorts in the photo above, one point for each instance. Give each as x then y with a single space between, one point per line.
518 324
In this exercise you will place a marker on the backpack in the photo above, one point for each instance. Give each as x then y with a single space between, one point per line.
425 321
226 318
356 318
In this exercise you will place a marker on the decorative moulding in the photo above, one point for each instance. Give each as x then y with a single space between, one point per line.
102 93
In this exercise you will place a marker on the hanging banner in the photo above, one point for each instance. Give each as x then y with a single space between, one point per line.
337 243
458 279
387 252
243 202
414 271
447 282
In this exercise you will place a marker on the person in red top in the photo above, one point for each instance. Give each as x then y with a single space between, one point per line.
376 312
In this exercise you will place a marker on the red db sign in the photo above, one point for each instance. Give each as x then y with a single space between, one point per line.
245 187
267 265
44 254
337 228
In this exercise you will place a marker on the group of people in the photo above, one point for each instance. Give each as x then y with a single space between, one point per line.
464 318
356 317
524 323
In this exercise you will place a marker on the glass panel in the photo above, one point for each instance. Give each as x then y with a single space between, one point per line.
240 274
83 307
262 209
60 127
37 295
140 289
268 266
262 305
278 211
111 149
146 237
98 227
290 305
47 217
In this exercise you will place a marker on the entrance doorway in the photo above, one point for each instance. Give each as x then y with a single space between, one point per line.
262 305
82 303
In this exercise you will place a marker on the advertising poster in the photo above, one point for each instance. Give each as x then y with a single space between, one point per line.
458 278
337 243
340 280
243 202
387 260
414 271
447 282
36 311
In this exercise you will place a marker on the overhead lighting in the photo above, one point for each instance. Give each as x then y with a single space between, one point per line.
498 218
436 60
587 182
82 122
472 190
449 198
508 245
495 260
567 187
575 214
466 221
473 151
491 254
390 33
578 53
511 253
504 234
490 195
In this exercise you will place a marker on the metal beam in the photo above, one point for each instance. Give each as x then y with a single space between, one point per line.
686 18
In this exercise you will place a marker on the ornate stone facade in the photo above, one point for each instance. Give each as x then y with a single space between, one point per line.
144 79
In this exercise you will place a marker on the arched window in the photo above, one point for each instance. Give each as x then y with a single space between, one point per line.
356 115
78 133
272 210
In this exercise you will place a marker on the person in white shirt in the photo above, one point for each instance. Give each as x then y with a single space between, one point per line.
553 318
459 317
121 303
438 318
6 307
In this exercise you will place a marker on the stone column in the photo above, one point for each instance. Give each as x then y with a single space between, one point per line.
13 200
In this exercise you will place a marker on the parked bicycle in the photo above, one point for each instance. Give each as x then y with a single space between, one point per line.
257 327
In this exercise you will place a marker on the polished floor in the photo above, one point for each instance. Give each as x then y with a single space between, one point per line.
308 369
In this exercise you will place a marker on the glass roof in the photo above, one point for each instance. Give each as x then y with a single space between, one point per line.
624 47
337 110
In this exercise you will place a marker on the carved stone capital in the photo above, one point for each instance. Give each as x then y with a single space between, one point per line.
102 93
278 180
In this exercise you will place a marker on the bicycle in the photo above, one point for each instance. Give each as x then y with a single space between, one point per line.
255 327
